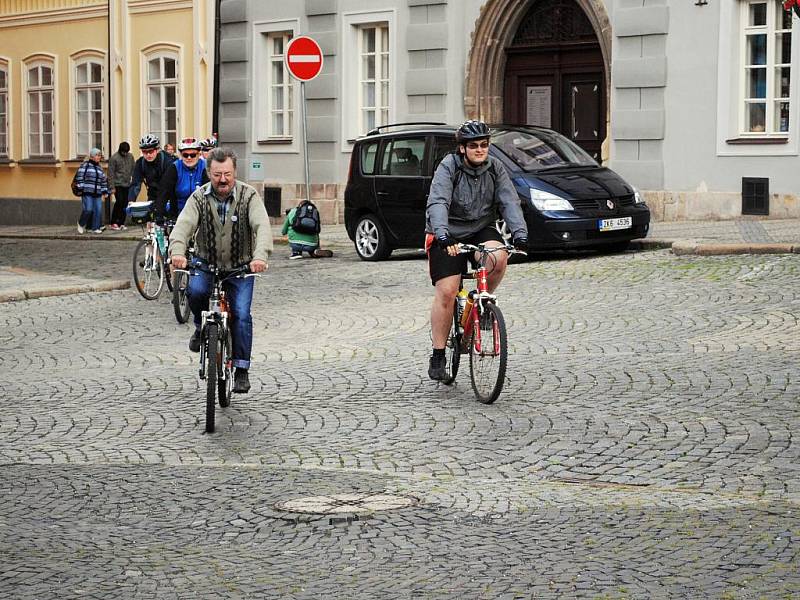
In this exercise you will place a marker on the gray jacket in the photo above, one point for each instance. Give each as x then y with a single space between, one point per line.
120 169
475 201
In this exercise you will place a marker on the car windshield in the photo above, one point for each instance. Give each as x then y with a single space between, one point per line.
536 149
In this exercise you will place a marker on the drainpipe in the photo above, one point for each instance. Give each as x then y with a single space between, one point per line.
107 206
215 98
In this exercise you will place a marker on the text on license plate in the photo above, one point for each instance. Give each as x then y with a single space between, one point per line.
612 224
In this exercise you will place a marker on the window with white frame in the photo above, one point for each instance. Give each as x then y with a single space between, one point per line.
88 106
162 97
373 93
280 100
39 86
3 110
766 72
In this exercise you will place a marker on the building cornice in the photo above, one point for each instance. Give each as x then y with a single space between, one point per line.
145 6
54 16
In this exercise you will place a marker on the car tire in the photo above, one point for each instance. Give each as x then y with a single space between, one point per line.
370 239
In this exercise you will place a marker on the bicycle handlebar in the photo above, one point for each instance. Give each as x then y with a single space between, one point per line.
465 248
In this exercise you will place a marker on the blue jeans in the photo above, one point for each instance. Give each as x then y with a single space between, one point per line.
240 295
91 211
299 248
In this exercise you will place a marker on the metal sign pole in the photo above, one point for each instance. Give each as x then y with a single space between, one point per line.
305 137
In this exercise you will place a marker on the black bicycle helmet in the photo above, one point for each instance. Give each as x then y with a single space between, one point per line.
471 130
149 141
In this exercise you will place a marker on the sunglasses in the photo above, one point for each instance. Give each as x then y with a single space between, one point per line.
476 145
189 155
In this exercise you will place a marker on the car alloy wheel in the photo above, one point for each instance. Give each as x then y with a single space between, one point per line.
367 238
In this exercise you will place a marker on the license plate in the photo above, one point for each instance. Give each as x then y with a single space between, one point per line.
614 224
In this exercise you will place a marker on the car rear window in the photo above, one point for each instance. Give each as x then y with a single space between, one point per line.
368 154
532 150
403 157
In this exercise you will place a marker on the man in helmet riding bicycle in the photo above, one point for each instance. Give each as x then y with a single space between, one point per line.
149 168
180 180
468 190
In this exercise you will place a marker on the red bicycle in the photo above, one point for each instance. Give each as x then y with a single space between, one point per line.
479 330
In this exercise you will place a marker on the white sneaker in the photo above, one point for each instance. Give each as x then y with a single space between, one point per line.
97 231
122 227
295 256
81 229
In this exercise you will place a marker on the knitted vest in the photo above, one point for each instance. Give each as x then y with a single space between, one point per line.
211 233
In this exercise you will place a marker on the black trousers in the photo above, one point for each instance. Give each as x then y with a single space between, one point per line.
120 204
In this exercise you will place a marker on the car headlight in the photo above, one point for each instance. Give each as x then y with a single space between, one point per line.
546 201
637 197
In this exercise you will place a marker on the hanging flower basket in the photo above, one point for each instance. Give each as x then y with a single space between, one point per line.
791 4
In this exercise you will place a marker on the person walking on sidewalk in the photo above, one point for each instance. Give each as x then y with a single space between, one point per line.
120 171
231 229
92 181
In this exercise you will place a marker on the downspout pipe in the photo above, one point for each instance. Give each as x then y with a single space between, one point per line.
217 61
109 79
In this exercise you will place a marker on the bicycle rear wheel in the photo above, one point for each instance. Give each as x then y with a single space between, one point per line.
212 356
225 386
180 301
453 349
148 270
488 355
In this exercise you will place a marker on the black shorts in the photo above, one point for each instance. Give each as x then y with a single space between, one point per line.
441 264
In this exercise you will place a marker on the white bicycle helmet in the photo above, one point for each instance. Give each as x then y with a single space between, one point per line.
189 144
149 141
208 143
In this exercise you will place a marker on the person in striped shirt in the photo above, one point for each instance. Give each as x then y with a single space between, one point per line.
93 183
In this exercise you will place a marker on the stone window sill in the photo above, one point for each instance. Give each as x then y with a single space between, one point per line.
272 141
45 162
761 141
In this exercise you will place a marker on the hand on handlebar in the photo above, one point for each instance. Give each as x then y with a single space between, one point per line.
258 266
179 262
448 244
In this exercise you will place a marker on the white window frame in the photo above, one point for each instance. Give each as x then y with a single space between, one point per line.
5 92
161 84
731 86
262 136
40 90
381 94
352 26
88 87
770 100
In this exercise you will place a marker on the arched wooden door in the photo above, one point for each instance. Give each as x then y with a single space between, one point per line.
555 74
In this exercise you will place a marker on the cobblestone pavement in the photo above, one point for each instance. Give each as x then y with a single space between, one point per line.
644 445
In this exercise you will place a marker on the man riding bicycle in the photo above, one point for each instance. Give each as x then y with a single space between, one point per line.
149 168
468 189
232 229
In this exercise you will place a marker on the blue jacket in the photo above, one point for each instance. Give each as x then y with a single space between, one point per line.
91 179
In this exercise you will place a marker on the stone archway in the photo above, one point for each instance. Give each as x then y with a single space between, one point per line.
494 30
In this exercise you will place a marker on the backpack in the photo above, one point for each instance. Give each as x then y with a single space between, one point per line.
75 186
306 219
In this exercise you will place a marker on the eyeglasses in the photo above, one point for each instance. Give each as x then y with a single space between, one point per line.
189 155
149 150
476 145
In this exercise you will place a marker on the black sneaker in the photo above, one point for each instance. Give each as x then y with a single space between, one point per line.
194 341
437 368
241 382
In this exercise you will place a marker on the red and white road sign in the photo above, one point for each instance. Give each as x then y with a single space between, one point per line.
303 58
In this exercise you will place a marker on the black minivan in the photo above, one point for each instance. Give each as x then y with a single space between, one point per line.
569 201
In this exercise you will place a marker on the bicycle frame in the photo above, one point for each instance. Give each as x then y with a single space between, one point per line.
482 294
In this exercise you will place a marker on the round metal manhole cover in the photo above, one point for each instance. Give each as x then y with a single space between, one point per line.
346 503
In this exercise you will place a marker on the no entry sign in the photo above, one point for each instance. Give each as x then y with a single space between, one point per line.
304 58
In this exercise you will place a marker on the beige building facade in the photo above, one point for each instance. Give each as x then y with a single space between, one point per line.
77 74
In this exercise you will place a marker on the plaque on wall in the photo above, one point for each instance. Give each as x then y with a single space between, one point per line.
539 105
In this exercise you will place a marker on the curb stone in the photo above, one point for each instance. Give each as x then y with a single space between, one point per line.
100 286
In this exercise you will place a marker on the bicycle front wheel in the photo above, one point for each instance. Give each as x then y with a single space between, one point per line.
488 353
225 386
212 358
180 301
453 349
148 270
